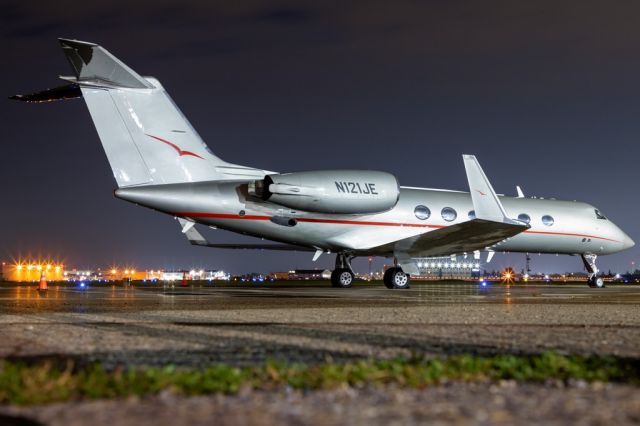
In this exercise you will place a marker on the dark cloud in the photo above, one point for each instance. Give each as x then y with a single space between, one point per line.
287 16
545 93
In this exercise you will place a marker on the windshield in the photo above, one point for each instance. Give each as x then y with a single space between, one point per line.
600 215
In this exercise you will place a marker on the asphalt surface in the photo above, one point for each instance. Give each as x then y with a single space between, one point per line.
196 326
149 325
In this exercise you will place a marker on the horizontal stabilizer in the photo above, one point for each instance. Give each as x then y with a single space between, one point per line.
276 247
68 91
94 65
196 239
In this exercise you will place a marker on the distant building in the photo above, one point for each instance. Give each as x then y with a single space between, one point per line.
83 275
302 274
448 267
195 275
31 271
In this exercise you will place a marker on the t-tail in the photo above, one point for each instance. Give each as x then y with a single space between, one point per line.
148 141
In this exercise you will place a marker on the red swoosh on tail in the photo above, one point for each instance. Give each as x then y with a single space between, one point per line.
180 152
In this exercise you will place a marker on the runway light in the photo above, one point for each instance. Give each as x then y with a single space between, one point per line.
483 284
507 276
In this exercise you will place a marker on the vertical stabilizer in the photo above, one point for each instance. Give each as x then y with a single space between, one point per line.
145 136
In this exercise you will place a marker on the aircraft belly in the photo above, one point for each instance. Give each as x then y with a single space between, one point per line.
543 243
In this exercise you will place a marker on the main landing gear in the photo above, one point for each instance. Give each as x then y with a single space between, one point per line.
342 276
395 277
589 261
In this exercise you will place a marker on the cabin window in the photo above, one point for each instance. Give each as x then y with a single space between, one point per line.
422 212
472 214
523 217
600 215
449 214
547 220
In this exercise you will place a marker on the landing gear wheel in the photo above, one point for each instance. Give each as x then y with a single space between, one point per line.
589 261
341 278
596 282
396 278
387 278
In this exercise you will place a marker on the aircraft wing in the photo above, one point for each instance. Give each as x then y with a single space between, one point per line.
464 237
196 239
491 226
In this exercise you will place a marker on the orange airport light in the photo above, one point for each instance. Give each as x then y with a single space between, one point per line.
508 275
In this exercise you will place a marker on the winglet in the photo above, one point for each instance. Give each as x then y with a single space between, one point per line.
486 203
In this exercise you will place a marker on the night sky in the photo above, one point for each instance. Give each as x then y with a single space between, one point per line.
545 93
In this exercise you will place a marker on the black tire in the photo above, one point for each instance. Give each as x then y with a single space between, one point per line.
596 282
400 280
342 278
334 278
387 278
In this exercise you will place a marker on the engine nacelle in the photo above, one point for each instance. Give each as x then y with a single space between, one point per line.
330 191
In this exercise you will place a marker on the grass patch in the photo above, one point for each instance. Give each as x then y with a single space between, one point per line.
42 383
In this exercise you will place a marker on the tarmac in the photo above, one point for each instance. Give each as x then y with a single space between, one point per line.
242 325
192 326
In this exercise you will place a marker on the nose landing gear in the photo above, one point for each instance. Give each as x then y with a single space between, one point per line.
589 261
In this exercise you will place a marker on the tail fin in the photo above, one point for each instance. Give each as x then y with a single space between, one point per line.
145 136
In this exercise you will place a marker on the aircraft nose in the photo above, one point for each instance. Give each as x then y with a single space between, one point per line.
627 242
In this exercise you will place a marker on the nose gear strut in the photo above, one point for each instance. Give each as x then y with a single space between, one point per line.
589 261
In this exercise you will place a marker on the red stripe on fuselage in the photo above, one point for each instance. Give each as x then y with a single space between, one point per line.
368 223
568 234
222 216
364 223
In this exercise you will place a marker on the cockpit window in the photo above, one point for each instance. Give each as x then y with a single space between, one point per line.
600 215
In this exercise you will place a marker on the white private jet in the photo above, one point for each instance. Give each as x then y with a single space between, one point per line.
159 161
